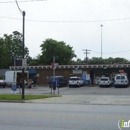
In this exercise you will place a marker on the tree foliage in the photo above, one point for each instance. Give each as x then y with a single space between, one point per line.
99 60
14 44
10 47
63 53
110 60
34 61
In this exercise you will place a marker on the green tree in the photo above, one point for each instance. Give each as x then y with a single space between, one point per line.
34 61
63 53
3 54
14 44
110 60
10 46
96 60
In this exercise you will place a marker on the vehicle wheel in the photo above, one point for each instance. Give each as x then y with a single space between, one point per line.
116 86
3 86
100 86
69 86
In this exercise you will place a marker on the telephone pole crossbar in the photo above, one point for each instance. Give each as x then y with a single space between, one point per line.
86 52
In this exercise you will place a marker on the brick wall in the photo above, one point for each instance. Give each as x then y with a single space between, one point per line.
44 74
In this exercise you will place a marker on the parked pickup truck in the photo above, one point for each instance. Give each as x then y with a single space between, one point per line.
75 81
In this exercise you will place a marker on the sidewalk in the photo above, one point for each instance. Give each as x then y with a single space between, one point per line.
86 99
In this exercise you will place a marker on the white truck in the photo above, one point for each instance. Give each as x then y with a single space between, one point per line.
15 76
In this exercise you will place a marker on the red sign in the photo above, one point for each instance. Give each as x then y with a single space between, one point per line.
52 64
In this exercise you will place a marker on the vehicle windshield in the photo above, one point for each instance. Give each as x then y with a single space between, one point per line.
120 77
74 78
104 79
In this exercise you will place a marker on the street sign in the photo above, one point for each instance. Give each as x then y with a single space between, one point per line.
24 63
56 64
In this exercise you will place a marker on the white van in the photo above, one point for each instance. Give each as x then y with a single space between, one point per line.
121 80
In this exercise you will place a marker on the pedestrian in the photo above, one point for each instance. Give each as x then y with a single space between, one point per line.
35 82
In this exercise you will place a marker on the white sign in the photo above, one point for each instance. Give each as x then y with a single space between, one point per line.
121 70
77 71
24 63
84 72
56 64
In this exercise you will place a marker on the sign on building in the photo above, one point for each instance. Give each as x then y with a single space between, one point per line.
77 71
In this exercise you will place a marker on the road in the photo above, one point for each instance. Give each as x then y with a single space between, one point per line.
77 109
29 116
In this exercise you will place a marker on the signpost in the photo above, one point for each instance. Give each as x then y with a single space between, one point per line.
54 84
24 66
24 63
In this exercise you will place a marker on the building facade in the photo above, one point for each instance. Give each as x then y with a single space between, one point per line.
95 71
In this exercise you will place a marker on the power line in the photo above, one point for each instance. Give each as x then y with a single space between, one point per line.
18 6
4 2
78 21
112 52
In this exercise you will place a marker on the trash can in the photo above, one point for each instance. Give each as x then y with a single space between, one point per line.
14 87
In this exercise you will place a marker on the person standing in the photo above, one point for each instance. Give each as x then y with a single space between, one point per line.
35 82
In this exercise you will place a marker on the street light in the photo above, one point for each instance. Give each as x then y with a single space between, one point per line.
101 39
23 14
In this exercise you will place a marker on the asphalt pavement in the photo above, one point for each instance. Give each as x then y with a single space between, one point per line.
30 116
94 95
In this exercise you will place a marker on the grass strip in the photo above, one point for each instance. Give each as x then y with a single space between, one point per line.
26 97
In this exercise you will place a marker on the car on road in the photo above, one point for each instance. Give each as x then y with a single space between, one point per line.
2 83
75 81
105 81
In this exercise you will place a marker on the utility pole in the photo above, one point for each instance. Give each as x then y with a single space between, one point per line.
53 67
23 13
23 45
101 39
86 52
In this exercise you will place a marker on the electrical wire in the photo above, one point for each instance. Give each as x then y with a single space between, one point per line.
81 21
112 52
4 2
18 6
10 18
78 21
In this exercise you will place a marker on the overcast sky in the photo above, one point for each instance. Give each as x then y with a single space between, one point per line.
76 22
